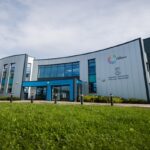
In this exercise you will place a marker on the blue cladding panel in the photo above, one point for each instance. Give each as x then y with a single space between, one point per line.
49 85
34 83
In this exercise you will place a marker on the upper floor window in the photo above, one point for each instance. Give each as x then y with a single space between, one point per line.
28 71
58 70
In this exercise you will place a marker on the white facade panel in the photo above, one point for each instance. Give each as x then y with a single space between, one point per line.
19 61
119 70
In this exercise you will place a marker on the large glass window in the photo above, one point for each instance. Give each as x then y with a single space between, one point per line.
5 69
11 78
28 71
41 93
92 75
68 70
59 70
75 69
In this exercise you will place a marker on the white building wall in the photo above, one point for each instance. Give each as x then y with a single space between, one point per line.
19 67
132 84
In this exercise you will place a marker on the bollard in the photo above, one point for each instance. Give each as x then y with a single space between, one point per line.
55 99
111 100
81 99
31 98
11 98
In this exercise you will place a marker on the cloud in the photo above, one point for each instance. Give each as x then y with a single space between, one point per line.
61 28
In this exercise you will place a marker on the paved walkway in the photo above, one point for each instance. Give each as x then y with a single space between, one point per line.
78 103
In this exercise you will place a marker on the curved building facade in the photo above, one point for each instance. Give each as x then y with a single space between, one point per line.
122 70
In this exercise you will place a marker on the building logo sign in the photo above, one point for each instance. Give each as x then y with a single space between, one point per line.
118 75
113 59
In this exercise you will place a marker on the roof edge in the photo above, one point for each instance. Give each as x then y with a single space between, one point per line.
89 52
13 56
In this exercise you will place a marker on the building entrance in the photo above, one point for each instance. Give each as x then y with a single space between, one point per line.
61 93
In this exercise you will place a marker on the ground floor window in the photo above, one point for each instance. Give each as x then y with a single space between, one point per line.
41 93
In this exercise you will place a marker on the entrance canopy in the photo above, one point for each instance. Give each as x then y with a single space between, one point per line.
53 83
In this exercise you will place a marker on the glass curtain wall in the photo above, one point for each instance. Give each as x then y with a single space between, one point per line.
11 78
92 75
59 70
3 82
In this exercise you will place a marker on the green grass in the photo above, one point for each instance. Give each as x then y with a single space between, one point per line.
48 126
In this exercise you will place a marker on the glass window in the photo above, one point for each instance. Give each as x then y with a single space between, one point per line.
68 70
59 70
11 78
41 93
92 75
54 71
92 78
41 71
28 70
75 69
5 68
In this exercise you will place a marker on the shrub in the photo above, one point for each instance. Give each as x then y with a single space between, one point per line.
90 98
106 99
8 98
95 98
118 99
135 101
103 99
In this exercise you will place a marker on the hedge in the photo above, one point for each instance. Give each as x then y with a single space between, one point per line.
106 99
8 98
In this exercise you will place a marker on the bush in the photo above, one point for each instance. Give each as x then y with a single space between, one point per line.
106 99
103 99
118 99
8 98
90 98
135 101
95 98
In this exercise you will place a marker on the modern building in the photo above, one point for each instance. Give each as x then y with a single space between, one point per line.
122 70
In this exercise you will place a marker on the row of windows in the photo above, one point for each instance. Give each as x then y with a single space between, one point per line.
11 77
4 74
59 70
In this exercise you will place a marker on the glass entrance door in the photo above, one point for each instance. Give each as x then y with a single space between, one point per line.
65 93
61 93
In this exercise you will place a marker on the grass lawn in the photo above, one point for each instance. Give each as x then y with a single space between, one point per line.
48 126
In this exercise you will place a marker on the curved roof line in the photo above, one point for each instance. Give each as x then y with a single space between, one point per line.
77 54
91 52
12 56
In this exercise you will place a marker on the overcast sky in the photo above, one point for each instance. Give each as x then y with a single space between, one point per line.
54 28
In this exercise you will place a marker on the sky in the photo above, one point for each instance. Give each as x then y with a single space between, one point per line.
56 28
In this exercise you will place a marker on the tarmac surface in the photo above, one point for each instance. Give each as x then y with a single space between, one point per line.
78 103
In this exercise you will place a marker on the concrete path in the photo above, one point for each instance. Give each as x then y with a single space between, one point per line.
78 103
